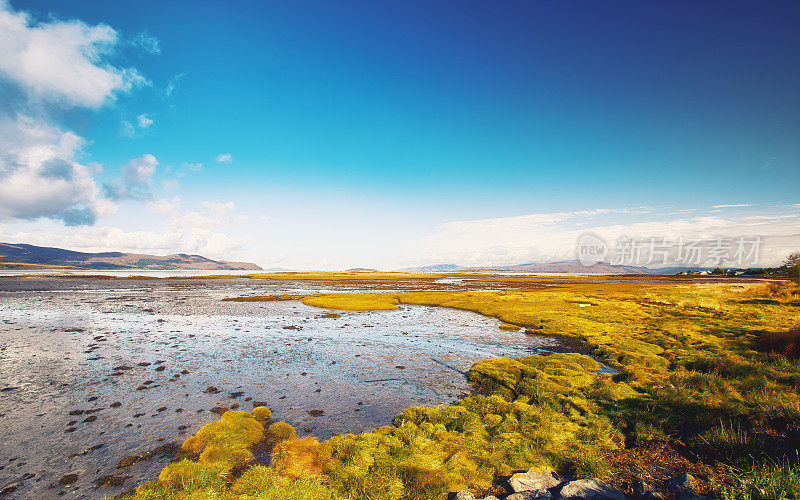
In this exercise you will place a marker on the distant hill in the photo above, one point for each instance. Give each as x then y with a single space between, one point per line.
15 256
567 266
438 268
570 266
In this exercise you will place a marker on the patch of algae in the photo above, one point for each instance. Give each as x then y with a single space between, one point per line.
687 360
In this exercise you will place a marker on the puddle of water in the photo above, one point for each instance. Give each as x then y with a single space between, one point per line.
95 371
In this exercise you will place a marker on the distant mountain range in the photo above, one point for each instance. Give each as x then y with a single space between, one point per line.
567 266
21 256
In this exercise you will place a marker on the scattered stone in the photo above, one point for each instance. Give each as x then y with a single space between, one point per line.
400 367
111 480
464 495
68 479
530 495
76 412
163 408
90 419
219 410
10 488
590 489
161 368
116 404
144 363
316 413
537 478
211 390
640 488
235 395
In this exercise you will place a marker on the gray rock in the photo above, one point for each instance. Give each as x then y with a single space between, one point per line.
537 478
640 488
590 489
464 495
684 482
530 495
491 497
690 495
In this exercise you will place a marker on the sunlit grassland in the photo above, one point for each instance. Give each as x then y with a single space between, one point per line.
692 365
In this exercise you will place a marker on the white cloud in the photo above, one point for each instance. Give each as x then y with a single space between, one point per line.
135 182
170 184
144 121
147 42
732 206
190 167
172 84
553 236
193 231
39 176
46 67
224 158
61 61
127 129
263 218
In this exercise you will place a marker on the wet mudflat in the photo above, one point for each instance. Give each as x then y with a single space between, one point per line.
101 380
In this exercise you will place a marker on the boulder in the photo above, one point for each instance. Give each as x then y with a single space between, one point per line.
684 482
640 488
464 495
530 495
537 478
590 489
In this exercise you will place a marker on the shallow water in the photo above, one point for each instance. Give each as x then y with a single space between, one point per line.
96 370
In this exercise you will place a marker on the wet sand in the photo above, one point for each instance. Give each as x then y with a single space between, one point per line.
99 371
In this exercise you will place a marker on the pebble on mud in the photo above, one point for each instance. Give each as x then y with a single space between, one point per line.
68 479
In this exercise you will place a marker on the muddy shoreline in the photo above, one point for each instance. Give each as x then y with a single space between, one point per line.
105 372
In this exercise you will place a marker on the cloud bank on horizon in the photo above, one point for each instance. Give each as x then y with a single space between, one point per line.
61 186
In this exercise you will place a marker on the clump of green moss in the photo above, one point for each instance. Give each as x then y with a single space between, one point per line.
262 414
281 431
227 440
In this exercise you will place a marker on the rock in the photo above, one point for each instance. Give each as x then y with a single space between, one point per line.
684 482
111 480
316 413
590 489
640 488
530 495
690 495
464 495
537 478
12 487
491 497
68 478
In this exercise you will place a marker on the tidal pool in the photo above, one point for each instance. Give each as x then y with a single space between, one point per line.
96 371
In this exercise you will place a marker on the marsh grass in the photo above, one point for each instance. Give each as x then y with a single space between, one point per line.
689 369
786 343
767 479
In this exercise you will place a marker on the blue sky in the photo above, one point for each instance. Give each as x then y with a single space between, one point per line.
355 128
